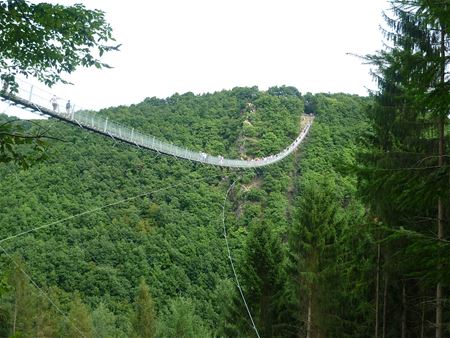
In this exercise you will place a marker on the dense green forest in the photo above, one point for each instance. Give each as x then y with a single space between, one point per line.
165 247
346 237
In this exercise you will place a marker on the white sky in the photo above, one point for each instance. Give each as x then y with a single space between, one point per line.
171 46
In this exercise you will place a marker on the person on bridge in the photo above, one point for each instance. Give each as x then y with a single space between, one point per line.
68 106
54 102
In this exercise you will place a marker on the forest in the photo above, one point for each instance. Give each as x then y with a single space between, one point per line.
346 237
165 249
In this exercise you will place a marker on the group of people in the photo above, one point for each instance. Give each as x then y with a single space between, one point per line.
204 156
55 105
53 100
289 148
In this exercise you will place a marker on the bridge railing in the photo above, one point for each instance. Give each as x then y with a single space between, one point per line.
46 103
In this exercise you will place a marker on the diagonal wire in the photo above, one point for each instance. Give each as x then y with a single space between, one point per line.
231 259
97 209
43 292
65 219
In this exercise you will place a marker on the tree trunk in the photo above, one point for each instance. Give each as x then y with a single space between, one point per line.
440 233
15 315
377 293
440 229
385 306
308 320
439 310
404 311
422 325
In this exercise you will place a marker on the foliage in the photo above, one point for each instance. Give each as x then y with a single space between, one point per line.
144 321
171 236
331 252
262 278
20 147
104 322
79 320
312 249
180 321
405 175
304 247
44 40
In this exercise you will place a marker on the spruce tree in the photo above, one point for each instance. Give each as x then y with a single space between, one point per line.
406 176
180 321
144 321
311 241
79 321
22 300
262 274
45 319
104 322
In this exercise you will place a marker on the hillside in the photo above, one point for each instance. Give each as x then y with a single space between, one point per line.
159 219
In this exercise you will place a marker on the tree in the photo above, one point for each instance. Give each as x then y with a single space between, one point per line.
261 274
21 146
45 41
406 178
104 322
311 241
21 312
144 321
79 320
180 321
102 254
284 91
310 105
4 312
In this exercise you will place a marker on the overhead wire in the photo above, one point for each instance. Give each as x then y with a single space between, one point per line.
74 216
43 293
231 260
71 217
96 209
286 151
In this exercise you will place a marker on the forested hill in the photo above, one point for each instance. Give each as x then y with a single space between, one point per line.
151 259
240 122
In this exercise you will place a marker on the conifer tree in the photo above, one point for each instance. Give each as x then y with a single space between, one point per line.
311 240
261 273
144 321
22 302
79 320
45 319
104 322
180 321
406 178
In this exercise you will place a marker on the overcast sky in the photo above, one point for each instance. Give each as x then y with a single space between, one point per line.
171 46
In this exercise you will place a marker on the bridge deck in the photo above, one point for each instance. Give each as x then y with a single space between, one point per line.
106 127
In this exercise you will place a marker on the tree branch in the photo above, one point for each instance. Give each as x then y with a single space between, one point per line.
32 136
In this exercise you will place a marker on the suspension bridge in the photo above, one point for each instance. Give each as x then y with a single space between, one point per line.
30 97
35 99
